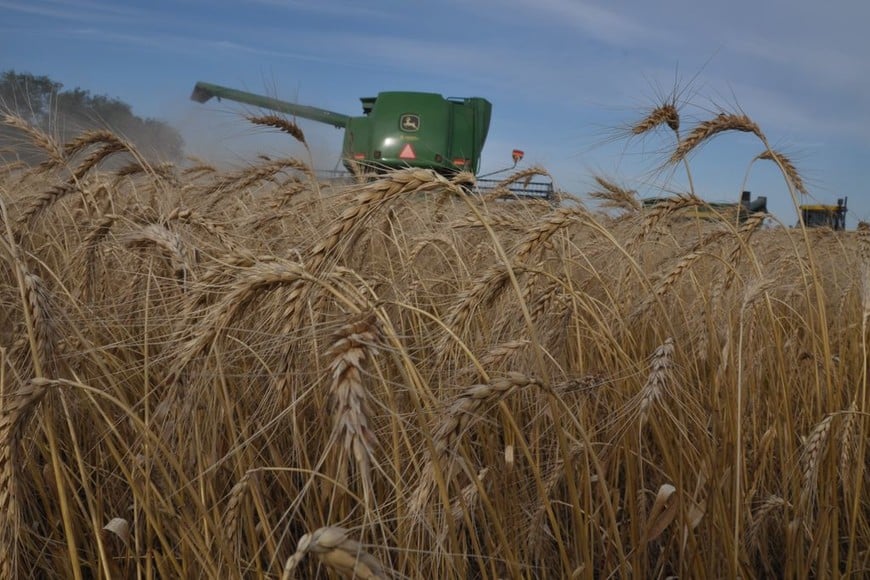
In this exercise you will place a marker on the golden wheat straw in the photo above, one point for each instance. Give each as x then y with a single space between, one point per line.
744 234
198 170
255 174
662 513
458 417
93 137
258 276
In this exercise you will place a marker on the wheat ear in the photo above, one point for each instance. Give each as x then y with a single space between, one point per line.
613 196
43 336
707 129
234 506
41 202
811 457
168 242
787 167
373 196
353 345
333 546
39 138
13 417
663 114
280 123
465 408
848 443
657 381
546 229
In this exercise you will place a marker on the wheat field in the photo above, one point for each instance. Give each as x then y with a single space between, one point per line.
248 373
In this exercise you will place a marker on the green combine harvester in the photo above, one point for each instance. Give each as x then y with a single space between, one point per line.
400 130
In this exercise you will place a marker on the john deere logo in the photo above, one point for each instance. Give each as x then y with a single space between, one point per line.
410 123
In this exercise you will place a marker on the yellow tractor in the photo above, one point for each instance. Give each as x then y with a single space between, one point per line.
825 216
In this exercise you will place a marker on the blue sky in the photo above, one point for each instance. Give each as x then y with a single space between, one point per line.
565 77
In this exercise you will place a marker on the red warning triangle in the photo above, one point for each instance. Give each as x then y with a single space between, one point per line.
407 152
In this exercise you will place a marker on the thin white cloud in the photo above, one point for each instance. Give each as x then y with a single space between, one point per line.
603 24
821 66
74 10
341 9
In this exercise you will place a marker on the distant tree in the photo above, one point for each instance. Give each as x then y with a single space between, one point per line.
65 113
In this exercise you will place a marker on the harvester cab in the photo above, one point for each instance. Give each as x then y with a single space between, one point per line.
396 130
825 216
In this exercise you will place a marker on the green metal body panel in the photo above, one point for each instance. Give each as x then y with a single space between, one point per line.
397 129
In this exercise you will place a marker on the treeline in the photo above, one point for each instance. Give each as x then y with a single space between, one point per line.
45 104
